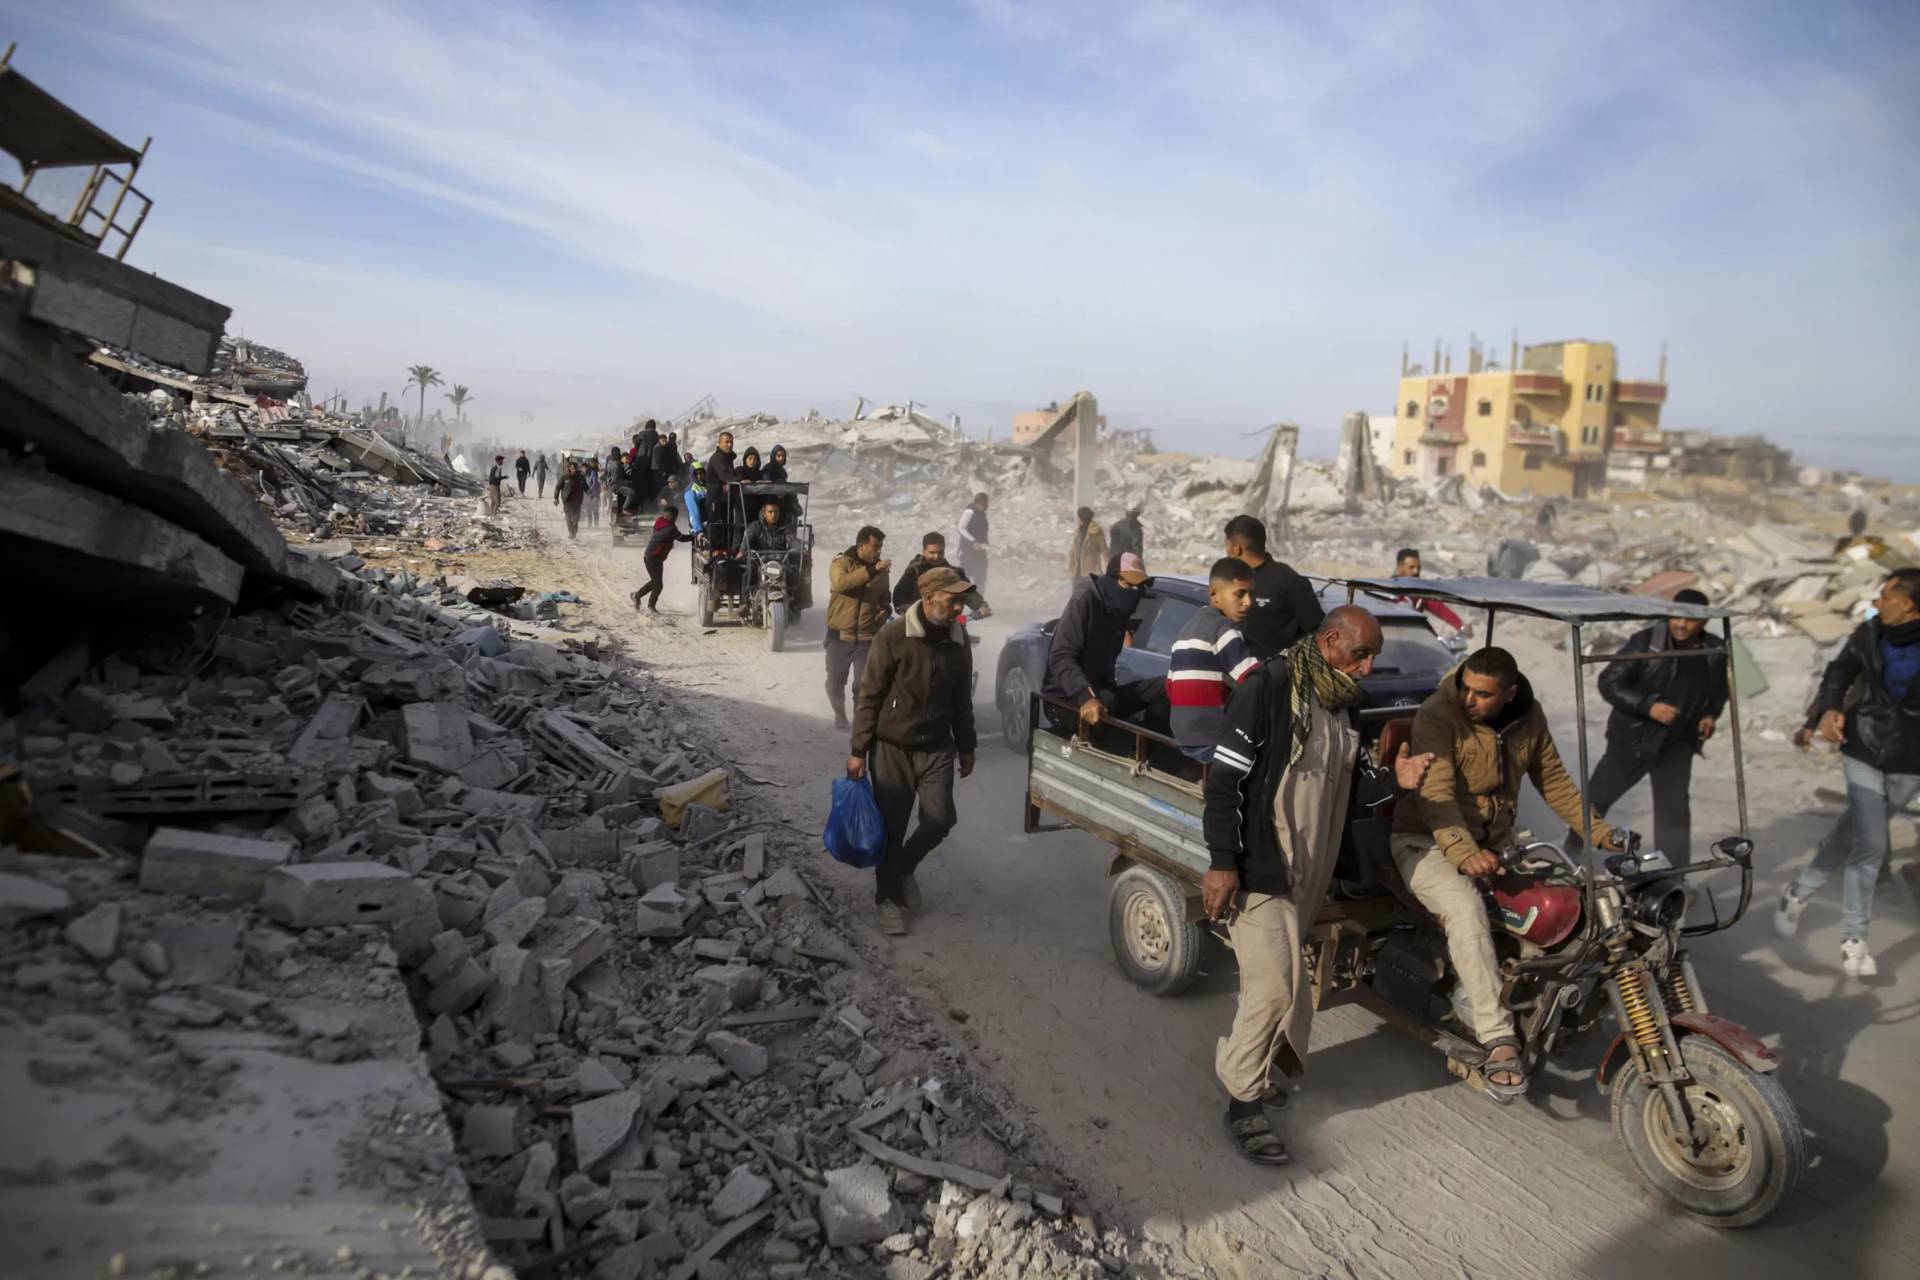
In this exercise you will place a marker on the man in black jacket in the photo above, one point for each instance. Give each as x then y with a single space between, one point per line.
933 555
1284 604
912 725
1664 711
1127 535
1086 648
1277 798
1868 703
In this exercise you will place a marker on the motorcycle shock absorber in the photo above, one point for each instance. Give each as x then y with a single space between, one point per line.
1676 988
1630 984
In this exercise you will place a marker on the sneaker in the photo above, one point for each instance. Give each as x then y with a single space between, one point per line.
1856 960
893 920
910 890
635 597
1786 916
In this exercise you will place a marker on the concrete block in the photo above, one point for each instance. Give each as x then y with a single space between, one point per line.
855 1207
740 1055
325 893
205 865
200 951
700 823
510 927
439 735
24 898
600 1125
97 933
582 1199
462 989
404 795
575 939
662 913
591 844
740 982
652 865
312 818
741 1193
519 1002
489 1131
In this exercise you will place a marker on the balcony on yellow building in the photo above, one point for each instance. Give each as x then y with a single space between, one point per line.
1639 439
1536 433
1640 392
1537 384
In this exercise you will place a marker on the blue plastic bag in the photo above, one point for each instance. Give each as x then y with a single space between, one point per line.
856 834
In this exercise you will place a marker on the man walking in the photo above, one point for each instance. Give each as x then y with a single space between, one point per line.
665 533
540 476
570 494
1868 703
933 555
973 543
913 722
1486 733
1127 535
1284 604
1664 711
1087 552
496 477
1277 796
521 467
856 610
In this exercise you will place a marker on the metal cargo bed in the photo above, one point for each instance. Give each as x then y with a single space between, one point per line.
1146 814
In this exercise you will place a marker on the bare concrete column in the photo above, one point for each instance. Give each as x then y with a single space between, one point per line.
1086 447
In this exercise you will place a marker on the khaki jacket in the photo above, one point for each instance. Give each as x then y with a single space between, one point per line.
861 599
1467 802
917 693
1087 551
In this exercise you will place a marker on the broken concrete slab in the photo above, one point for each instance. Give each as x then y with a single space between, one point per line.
24 898
856 1208
205 864
97 933
512 925
741 1056
741 1193
519 1002
438 735
662 913
601 1124
489 1131
328 893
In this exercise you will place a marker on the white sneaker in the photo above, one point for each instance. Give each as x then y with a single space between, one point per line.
1786 916
1856 960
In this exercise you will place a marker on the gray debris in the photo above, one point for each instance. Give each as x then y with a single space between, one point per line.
742 1193
855 1207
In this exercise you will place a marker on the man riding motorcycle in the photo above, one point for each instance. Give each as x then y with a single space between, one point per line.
1485 732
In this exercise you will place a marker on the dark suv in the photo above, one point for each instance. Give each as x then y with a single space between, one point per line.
1410 665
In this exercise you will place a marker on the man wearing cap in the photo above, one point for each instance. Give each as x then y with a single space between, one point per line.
912 723
1664 710
1086 648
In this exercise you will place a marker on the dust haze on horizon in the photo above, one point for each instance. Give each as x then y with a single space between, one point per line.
1214 216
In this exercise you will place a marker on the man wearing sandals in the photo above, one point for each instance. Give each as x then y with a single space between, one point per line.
1282 778
1485 733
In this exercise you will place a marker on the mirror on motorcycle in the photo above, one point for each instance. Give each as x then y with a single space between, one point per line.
1738 848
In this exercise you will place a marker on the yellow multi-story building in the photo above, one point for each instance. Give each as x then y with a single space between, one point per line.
1544 425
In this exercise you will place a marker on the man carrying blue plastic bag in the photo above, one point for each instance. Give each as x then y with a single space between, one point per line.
912 722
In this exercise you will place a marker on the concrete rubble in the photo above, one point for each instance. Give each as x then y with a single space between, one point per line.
644 1038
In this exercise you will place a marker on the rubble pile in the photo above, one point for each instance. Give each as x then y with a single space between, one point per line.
654 1045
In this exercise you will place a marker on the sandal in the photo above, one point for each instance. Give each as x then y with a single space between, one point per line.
1255 1139
1513 1067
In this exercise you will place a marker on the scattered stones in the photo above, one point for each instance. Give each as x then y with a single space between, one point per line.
97 933
742 1193
740 1055
855 1207
601 1125
24 898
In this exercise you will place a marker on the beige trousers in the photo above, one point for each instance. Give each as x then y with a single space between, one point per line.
1456 902
1266 943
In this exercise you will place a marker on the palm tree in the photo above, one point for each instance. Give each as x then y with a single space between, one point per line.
459 395
424 376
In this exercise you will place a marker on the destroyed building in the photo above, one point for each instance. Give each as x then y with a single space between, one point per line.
352 926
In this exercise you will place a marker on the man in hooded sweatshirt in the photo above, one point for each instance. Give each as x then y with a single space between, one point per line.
1086 648
1869 704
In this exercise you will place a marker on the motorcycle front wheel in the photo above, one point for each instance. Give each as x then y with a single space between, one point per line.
1751 1151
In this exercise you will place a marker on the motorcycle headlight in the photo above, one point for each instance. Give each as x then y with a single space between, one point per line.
1661 906
775 569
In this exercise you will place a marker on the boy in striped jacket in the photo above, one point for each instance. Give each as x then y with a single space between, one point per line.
1209 659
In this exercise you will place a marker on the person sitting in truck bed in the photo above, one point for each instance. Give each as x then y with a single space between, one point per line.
1086 647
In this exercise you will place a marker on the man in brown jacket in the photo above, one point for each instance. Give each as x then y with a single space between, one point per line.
1485 732
912 723
856 610
1087 553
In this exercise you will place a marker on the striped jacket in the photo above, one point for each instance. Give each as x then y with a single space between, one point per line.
1209 658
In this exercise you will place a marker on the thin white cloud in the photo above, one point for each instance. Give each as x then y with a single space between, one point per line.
1205 211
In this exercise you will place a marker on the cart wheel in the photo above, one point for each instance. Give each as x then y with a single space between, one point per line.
1016 710
706 601
776 626
1157 946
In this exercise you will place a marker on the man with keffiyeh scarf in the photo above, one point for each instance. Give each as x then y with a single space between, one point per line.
1284 775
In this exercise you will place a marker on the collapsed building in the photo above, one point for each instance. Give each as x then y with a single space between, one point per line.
349 926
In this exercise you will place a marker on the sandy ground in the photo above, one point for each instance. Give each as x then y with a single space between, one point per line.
1398 1170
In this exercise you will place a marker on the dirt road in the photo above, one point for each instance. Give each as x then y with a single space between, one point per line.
1398 1170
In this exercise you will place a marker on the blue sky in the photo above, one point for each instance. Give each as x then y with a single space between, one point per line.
1212 215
